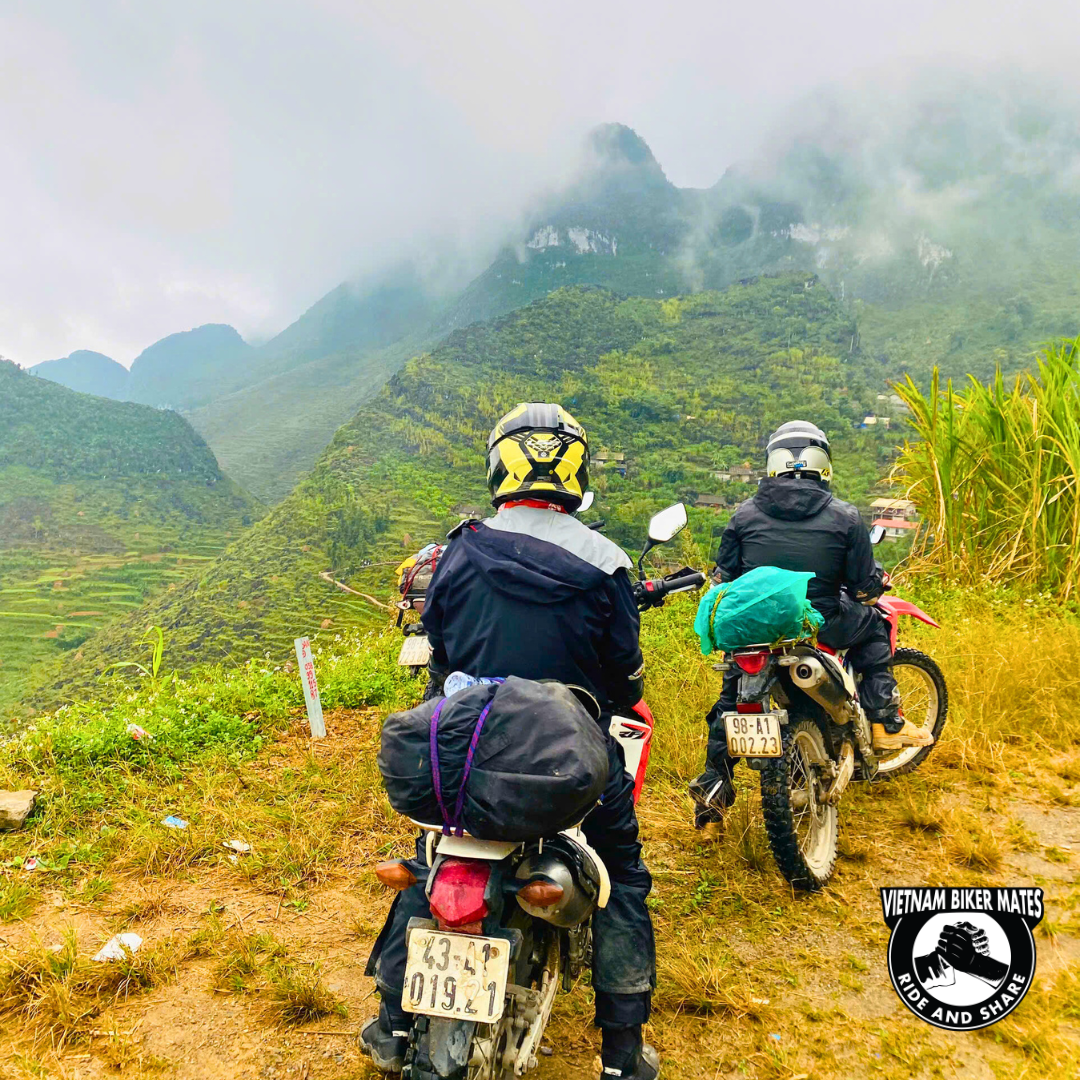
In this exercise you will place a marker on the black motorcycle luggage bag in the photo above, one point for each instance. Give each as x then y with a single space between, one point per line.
540 763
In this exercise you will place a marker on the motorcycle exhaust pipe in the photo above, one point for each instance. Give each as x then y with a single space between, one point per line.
809 675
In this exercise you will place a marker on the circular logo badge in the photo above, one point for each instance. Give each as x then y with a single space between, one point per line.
961 958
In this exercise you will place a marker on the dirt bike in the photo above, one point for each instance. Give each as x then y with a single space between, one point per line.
798 722
511 922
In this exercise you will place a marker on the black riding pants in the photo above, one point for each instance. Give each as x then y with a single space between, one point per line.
865 635
624 952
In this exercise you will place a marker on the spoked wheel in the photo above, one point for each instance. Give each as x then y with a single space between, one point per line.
924 702
802 827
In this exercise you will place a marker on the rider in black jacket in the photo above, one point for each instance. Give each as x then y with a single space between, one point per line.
795 522
533 592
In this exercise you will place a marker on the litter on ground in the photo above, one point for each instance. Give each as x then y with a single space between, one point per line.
117 947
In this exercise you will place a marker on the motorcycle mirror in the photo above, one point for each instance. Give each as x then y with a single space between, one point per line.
586 502
667 524
877 534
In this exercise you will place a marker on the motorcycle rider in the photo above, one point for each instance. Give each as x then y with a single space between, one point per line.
533 592
796 523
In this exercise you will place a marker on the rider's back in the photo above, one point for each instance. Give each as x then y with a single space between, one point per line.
799 525
534 593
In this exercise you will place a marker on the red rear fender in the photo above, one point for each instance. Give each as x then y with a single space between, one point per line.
893 605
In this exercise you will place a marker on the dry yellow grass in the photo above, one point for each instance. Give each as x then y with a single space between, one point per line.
754 980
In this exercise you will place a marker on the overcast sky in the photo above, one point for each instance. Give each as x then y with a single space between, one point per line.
167 164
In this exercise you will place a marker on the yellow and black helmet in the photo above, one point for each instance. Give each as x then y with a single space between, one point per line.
538 450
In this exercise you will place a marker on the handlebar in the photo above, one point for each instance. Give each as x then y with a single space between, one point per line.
653 592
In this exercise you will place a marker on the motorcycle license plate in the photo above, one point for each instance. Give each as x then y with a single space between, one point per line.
415 651
456 975
753 734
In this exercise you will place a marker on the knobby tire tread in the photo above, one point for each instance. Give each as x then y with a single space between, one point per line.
780 821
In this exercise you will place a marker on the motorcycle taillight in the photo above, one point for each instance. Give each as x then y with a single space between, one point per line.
753 663
457 896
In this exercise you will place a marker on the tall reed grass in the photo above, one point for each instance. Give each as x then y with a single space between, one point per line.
994 472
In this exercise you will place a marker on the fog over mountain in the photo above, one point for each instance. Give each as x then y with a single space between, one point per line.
169 167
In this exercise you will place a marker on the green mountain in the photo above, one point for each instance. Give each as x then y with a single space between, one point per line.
302 385
186 369
353 316
88 372
271 431
953 230
102 504
612 227
951 234
178 372
683 387
618 225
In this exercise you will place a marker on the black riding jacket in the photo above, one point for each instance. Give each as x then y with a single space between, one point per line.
798 524
536 594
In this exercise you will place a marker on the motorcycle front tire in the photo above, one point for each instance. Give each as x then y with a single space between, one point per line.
927 706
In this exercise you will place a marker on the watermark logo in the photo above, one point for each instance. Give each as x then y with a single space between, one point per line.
961 959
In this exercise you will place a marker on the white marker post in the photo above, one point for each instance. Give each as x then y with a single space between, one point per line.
311 687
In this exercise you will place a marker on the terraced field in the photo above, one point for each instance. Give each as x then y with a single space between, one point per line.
51 602
102 505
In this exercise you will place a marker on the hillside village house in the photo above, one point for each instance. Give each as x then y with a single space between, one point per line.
743 474
898 517
469 510
710 502
614 460
893 401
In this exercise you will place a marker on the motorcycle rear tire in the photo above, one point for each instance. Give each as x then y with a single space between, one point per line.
418 1064
807 862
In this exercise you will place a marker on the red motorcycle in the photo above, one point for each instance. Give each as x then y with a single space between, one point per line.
798 722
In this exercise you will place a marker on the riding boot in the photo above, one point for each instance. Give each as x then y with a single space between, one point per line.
385 1037
714 790
625 1054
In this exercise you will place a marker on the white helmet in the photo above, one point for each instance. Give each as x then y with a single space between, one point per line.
799 448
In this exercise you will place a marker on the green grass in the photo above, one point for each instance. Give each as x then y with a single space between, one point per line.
206 726
994 470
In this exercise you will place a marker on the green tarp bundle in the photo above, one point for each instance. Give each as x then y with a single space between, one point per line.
763 606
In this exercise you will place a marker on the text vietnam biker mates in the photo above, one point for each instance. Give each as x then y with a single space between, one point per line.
961 958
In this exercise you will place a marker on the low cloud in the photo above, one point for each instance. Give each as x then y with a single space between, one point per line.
169 165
